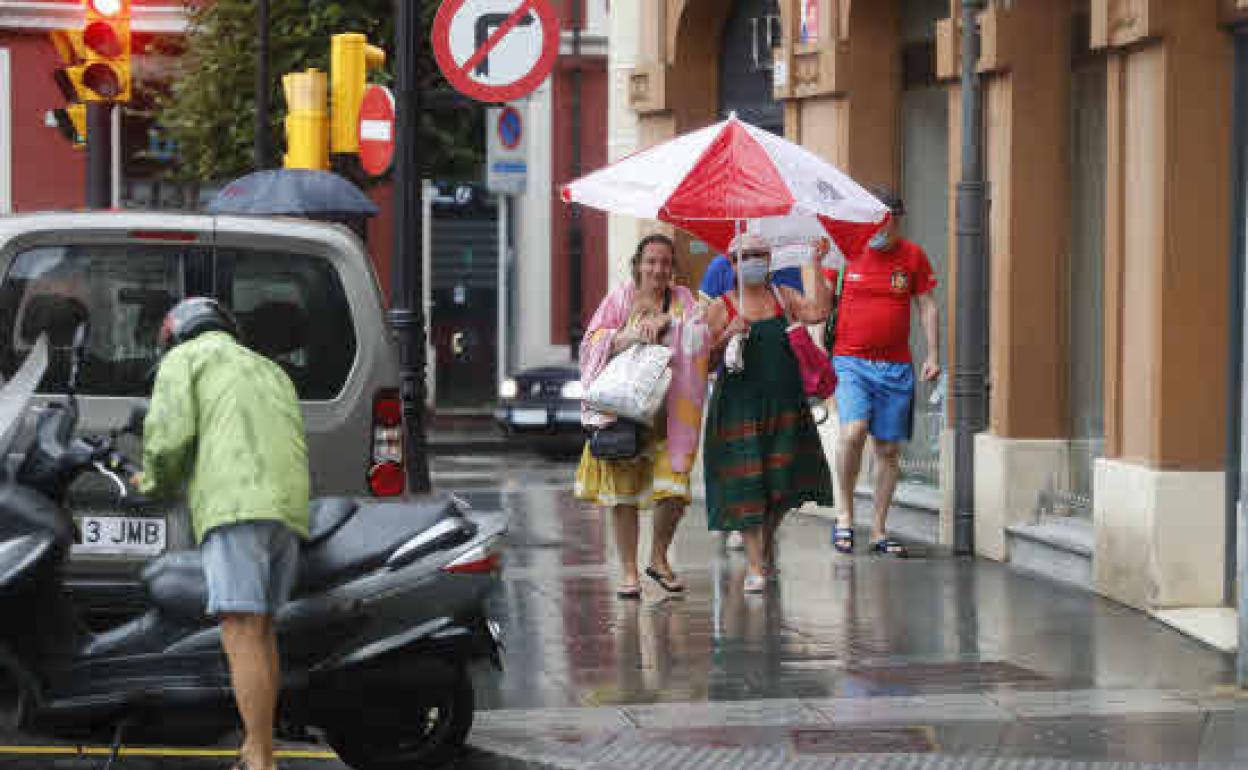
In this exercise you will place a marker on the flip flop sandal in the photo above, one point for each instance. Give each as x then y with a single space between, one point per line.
887 547
669 584
631 593
843 539
241 764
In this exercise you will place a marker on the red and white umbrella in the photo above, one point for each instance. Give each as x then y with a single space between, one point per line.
713 181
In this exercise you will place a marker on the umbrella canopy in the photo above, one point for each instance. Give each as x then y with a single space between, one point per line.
709 181
293 192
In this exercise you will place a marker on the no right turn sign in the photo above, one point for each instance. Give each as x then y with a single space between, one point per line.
496 50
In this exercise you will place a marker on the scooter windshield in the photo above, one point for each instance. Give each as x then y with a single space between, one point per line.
16 394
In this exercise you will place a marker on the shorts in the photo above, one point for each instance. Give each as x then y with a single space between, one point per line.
881 393
250 566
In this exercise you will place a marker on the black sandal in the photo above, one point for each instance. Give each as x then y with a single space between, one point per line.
669 584
630 593
843 539
887 547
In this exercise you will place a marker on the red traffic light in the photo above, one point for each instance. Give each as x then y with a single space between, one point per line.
106 7
102 38
102 79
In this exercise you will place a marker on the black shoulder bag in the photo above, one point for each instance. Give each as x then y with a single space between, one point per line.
624 438
829 328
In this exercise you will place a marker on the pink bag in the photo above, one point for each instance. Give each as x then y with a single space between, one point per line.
818 378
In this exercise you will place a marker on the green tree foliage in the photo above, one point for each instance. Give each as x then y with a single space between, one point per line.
209 107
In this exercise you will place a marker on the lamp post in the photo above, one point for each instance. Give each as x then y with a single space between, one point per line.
969 386
407 316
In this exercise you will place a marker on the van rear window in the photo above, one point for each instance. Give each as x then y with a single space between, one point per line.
123 292
291 307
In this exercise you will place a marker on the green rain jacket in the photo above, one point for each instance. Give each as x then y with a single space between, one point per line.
226 420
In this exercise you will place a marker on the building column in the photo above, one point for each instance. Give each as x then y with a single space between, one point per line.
842 88
1159 493
1026 57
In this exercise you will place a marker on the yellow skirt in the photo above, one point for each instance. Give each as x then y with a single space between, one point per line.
642 481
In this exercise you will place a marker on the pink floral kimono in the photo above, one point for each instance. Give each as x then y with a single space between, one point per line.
661 472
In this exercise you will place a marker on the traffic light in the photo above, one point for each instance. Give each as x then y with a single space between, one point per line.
307 145
350 59
72 118
105 73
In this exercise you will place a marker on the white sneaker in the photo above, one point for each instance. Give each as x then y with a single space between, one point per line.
735 541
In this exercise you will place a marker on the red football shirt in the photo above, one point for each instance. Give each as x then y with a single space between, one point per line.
874 319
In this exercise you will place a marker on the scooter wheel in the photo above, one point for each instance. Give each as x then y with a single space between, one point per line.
414 731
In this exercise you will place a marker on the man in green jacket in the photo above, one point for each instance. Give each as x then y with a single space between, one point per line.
225 422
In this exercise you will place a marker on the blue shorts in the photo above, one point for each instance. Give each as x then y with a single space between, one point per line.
250 567
880 393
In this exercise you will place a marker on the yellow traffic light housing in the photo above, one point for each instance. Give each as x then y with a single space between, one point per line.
106 45
307 121
71 120
351 57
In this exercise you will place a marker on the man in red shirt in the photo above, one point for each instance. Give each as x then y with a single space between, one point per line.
871 355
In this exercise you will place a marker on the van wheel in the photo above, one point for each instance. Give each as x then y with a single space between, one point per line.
411 731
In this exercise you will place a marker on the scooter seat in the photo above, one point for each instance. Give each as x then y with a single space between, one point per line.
367 539
346 540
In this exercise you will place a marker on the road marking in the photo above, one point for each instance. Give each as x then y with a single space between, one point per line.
156 751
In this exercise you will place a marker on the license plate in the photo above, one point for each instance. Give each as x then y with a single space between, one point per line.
528 416
130 535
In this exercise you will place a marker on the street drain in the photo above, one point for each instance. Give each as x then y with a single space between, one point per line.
961 675
891 740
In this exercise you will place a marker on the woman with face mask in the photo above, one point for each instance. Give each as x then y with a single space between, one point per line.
762 454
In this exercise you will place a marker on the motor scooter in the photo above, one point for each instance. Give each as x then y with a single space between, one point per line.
387 617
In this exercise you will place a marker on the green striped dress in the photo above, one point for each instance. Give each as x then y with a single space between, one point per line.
762 455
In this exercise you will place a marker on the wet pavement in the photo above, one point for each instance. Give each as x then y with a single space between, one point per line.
932 662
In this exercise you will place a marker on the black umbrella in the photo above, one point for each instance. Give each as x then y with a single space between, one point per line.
293 192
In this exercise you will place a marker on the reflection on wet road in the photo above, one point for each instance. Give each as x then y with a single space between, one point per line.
848 662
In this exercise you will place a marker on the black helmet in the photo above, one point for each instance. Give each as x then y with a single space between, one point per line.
192 317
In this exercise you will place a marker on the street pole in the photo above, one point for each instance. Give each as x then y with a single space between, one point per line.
970 397
99 155
263 149
576 232
407 315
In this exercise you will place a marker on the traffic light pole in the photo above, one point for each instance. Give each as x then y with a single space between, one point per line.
407 315
99 155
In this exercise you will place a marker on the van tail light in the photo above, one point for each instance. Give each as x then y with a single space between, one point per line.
386 476
483 559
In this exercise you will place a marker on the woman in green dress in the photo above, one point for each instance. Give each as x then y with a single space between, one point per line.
762 456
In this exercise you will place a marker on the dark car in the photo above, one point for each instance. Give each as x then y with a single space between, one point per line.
540 408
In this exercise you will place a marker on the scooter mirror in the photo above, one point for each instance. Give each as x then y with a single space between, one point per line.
138 415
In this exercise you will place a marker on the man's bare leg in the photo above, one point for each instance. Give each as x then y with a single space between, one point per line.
848 464
251 648
888 460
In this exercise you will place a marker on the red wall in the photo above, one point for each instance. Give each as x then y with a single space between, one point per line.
48 173
593 156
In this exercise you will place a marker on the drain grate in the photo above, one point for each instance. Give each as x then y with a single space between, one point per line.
960 675
891 740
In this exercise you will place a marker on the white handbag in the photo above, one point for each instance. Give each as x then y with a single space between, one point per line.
633 384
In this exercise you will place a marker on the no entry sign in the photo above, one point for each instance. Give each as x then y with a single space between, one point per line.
377 130
496 50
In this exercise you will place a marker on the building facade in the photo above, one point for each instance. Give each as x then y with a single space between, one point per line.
1115 177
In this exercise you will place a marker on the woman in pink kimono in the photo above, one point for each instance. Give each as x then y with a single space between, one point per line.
659 476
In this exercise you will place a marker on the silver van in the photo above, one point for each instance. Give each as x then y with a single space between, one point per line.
305 294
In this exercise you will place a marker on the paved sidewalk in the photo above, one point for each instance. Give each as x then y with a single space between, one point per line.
848 662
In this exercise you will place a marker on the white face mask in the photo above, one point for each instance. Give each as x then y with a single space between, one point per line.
754 271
